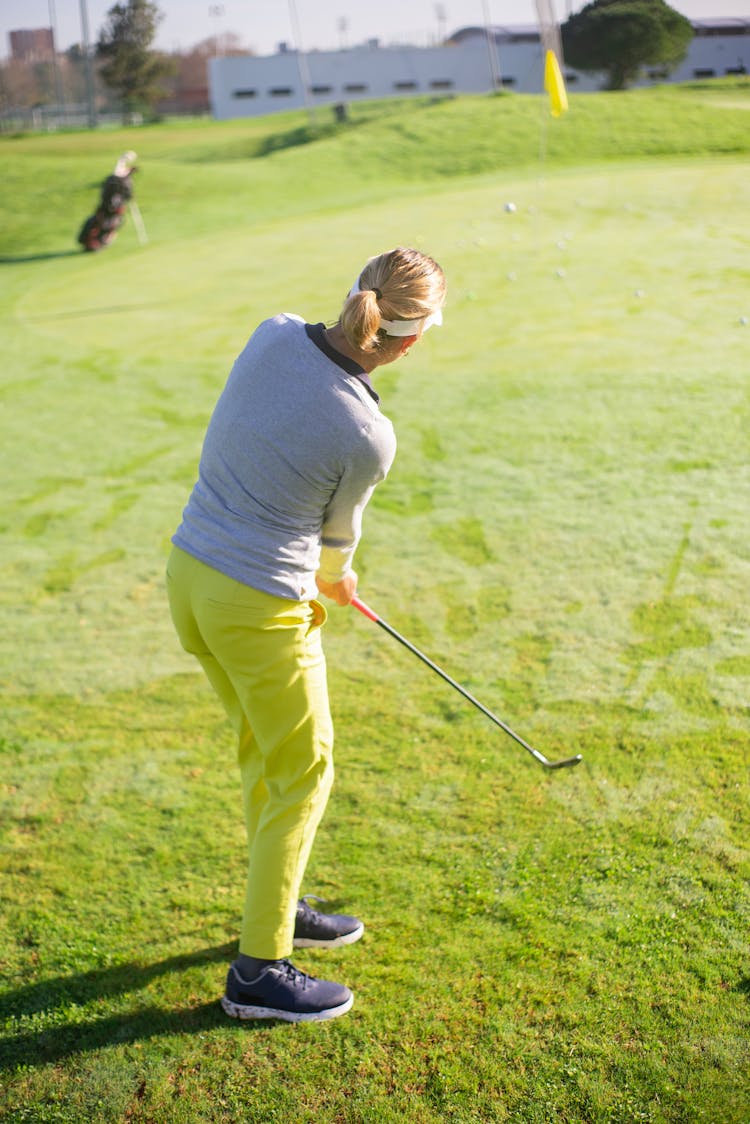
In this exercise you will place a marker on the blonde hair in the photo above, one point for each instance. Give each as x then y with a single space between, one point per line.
402 284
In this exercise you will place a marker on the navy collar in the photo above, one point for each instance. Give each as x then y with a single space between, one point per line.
316 332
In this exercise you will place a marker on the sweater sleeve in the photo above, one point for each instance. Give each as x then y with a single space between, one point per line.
342 519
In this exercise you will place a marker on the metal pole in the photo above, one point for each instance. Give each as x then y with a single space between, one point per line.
217 11
55 63
87 61
441 22
304 73
491 48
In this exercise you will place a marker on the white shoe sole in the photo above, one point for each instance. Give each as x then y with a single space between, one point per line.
237 1011
337 942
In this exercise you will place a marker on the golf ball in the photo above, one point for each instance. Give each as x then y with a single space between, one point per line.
510 207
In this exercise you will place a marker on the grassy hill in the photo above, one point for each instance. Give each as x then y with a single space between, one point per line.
191 166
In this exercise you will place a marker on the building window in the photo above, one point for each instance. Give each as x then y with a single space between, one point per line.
508 81
441 84
321 89
356 88
405 86
244 93
735 28
571 78
281 91
703 72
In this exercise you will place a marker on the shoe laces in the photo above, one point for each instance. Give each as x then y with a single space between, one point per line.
293 975
306 909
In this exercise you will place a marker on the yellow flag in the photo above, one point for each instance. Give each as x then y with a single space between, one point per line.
554 84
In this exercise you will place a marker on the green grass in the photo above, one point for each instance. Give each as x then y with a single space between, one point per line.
564 530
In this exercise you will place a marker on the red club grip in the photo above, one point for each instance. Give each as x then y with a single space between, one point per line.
365 609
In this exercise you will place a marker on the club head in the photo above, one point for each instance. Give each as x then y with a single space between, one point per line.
566 762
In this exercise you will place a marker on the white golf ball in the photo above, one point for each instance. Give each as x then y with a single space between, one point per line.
744 320
510 207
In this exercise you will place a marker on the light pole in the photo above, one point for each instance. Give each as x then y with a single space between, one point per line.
55 61
304 73
87 62
491 47
217 11
441 22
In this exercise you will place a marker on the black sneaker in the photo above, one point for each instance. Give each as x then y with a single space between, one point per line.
324 930
281 991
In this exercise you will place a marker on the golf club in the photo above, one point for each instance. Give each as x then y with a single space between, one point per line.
373 616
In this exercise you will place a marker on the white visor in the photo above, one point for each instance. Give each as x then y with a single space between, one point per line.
405 327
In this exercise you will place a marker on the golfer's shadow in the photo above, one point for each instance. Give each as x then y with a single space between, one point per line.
141 1020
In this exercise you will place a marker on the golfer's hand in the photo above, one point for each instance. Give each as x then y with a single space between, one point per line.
341 591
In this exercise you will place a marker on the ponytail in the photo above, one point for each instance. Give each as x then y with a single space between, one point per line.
360 320
393 289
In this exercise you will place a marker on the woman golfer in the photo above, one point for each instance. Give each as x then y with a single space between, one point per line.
293 451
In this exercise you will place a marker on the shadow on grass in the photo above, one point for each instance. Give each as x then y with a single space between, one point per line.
104 310
42 1047
9 259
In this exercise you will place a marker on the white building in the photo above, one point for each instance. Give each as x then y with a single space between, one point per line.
473 62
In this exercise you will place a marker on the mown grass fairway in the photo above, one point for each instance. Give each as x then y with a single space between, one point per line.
564 530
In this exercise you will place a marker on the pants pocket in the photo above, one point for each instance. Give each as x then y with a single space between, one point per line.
319 615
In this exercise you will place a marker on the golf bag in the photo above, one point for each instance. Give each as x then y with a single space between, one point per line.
100 229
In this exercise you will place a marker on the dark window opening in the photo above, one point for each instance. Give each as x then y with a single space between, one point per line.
244 93
738 28
281 91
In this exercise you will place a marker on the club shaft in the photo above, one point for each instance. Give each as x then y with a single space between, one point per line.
373 616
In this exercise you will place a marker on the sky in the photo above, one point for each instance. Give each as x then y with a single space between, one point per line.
325 24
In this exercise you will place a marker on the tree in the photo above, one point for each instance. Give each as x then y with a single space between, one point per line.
131 68
621 36
188 84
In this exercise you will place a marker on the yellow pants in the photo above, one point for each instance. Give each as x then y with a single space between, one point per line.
264 658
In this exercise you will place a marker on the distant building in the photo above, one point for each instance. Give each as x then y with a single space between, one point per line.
32 46
471 62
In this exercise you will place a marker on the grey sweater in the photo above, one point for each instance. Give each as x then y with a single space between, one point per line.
293 451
